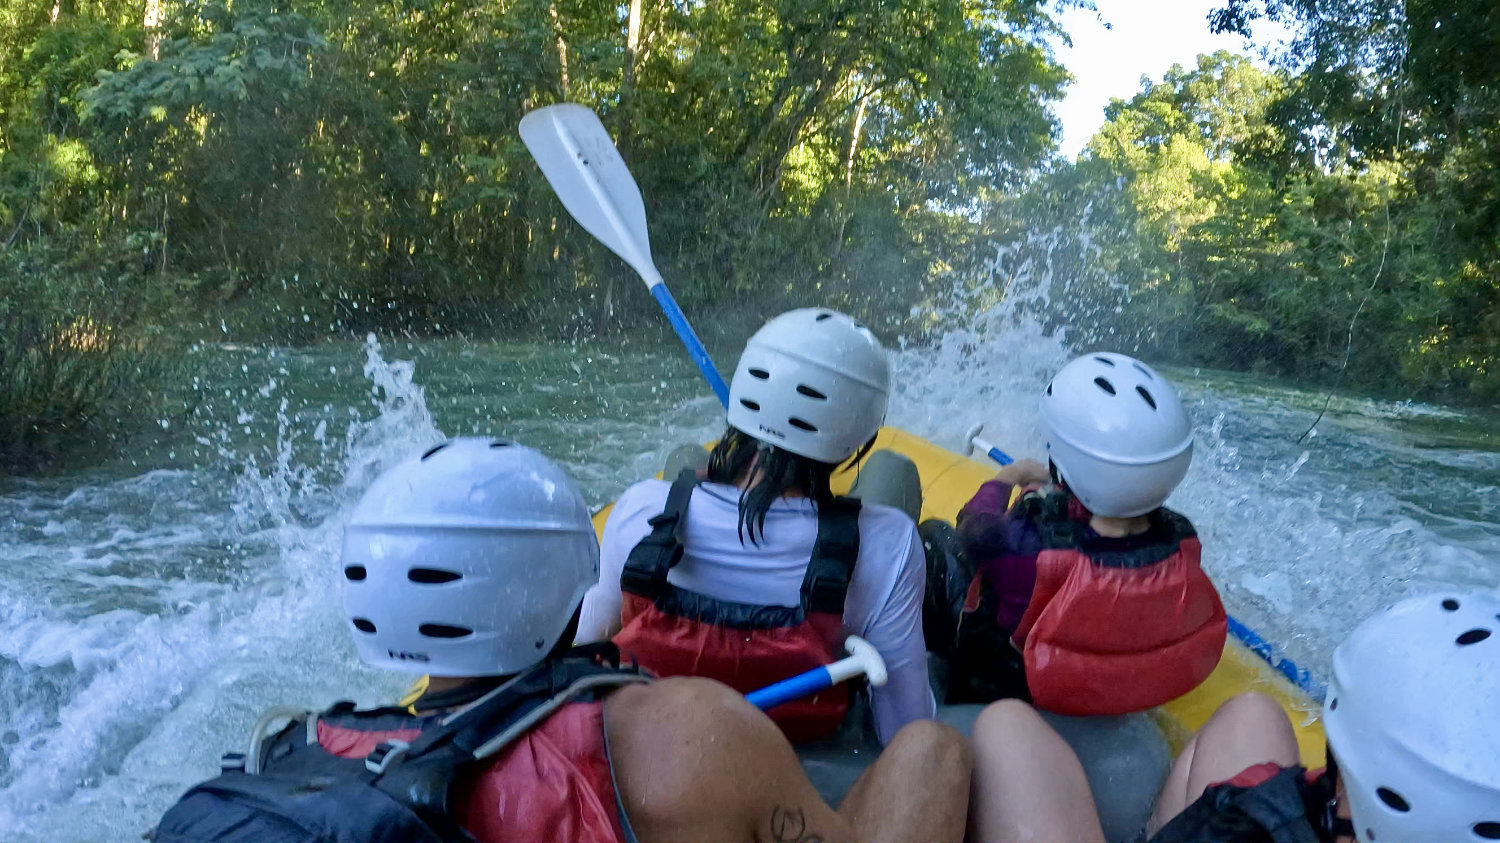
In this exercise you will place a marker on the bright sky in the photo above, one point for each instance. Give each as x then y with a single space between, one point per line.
1146 39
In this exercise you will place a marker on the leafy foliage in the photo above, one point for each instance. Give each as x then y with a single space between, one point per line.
357 163
284 170
79 357
288 169
1241 251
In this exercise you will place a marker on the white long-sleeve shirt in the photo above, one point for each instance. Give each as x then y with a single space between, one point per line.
883 605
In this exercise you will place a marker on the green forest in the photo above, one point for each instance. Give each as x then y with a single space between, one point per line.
286 172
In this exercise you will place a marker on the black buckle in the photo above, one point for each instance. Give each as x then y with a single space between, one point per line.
380 757
232 762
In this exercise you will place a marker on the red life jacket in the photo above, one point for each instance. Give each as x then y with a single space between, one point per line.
553 783
671 631
1116 626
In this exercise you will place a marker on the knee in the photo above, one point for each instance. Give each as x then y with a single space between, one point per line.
929 749
1000 722
1247 729
1251 710
932 737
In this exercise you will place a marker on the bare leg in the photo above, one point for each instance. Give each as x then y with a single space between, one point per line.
1028 784
917 790
693 762
1248 729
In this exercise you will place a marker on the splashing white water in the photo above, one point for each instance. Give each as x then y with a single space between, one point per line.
1303 540
142 699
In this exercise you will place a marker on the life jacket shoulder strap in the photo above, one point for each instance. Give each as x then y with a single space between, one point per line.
835 551
272 749
646 567
420 774
526 699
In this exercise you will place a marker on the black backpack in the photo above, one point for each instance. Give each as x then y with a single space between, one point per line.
288 789
1285 808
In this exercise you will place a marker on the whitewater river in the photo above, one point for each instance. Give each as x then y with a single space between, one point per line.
151 607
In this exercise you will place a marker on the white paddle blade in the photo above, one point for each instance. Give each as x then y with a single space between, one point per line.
581 163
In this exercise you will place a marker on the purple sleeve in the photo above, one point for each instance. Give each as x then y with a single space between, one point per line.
1002 547
982 522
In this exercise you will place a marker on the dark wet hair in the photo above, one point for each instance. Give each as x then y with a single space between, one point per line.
780 471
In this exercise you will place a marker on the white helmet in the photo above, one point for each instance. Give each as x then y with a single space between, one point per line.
813 382
1413 719
468 560
1117 433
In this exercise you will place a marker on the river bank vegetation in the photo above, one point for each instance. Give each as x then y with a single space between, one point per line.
273 171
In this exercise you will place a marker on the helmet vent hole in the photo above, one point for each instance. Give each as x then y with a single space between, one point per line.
364 625
1105 385
1106 361
749 405
1049 389
1473 636
804 389
1392 800
1488 830
1333 704
442 630
1141 390
434 449
1450 604
1145 371
354 573
501 443
432 576
760 374
822 316
802 425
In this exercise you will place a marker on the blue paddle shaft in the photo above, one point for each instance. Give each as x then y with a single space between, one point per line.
690 339
999 456
794 688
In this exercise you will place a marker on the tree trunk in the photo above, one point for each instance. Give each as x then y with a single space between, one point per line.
562 49
854 134
151 22
626 128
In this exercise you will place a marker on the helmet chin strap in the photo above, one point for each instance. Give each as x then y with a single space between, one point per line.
1330 824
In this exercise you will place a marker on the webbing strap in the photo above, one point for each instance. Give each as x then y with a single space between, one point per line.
826 582
490 723
649 561
1323 798
420 774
